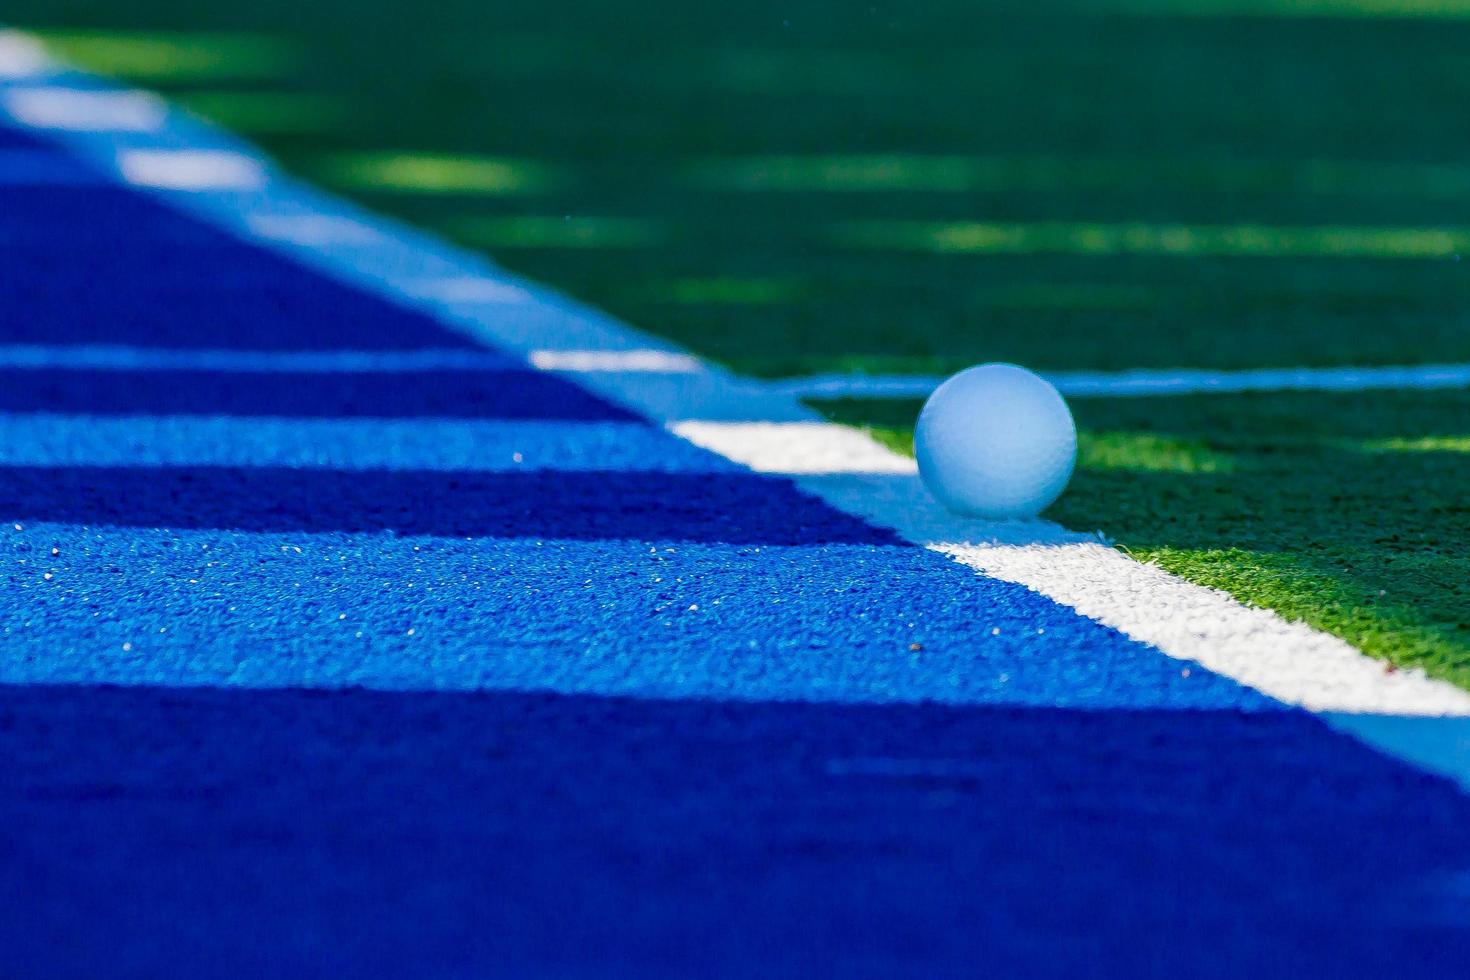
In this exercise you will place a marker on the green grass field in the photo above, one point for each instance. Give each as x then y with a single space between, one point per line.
916 187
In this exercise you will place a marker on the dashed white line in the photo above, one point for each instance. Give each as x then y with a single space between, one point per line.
191 170
22 56
84 110
639 361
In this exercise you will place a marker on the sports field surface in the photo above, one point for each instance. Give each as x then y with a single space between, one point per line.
513 564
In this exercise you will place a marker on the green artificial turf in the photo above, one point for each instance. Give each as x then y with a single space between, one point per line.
831 186
1346 511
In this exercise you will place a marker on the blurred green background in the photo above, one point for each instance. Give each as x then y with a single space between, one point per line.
802 186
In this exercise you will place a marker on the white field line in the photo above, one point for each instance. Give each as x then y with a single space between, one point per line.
84 110
311 230
22 56
795 448
637 361
191 170
1145 383
1285 660
469 289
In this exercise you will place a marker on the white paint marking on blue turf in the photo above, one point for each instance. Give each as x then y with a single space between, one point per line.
103 357
83 110
1291 661
1144 383
469 445
1185 621
190 170
793 448
22 56
469 289
312 230
636 361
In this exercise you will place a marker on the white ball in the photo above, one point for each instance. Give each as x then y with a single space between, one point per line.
996 441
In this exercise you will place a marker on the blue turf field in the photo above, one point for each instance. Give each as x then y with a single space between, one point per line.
462 670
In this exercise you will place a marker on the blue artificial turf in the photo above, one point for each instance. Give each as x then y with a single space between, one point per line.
353 833
24 166
346 444
576 505
106 265
612 613
491 394
471 720
13 138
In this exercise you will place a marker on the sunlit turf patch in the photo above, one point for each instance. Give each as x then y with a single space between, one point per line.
269 112
552 232
1346 511
1093 238
1150 453
434 173
175 56
1423 444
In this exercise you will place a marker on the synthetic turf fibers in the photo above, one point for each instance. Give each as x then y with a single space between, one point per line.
574 611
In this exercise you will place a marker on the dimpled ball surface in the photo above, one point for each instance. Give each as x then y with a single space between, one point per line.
996 441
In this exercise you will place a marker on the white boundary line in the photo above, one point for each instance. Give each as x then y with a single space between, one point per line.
1145 383
80 109
714 409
